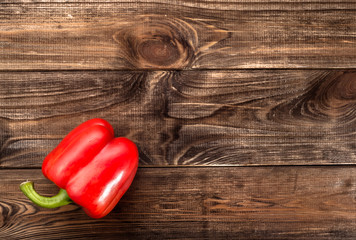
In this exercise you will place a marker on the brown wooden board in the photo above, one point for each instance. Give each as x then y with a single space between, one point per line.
244 113
197 203
52 35
269 117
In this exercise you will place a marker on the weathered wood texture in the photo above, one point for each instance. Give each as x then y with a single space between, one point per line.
203 203
161 34
270 117
208 84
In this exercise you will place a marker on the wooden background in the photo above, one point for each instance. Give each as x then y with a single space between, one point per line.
244 113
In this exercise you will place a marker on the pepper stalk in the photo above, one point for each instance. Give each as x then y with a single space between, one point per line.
58 200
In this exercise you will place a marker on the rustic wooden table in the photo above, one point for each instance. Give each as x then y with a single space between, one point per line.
244 113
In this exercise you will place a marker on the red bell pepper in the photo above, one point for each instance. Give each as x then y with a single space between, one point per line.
91 167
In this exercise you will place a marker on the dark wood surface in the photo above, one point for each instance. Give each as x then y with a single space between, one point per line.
244 114
234 117
198 203
101 34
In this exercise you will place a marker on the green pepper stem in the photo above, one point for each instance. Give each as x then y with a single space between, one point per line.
58 200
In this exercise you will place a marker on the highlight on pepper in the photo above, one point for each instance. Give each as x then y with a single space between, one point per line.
91 167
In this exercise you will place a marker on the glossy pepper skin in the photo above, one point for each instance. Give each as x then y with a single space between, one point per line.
93 167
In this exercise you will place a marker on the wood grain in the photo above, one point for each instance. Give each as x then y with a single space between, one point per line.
197 203
269 117
160 34
244 113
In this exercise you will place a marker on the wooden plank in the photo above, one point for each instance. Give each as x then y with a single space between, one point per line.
270 117
197 203
161 34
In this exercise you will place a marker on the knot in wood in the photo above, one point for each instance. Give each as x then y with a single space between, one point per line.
334 98
346 87
157 42
330 100
338 96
